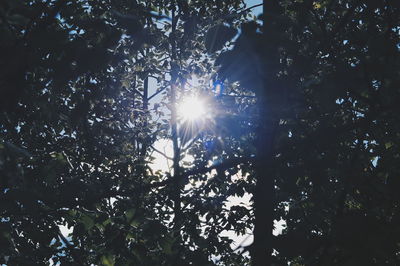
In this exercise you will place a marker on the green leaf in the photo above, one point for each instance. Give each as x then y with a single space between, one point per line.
388 145
108 260
167 244
87 221
129 214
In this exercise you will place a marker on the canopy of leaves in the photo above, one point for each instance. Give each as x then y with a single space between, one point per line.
77 130
317 83
331 79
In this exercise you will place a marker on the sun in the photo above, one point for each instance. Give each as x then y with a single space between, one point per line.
191 108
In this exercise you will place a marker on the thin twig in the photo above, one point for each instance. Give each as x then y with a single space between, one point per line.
64 239
160 152
187 146
249 8
241 243
156 93
220 166
238 96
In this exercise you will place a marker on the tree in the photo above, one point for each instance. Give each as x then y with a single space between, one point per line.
76 129
329 82
65 122
302 117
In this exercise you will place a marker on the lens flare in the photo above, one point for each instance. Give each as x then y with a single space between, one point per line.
191 109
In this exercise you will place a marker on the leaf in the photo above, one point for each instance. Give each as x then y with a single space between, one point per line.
108 260
317 5
16 151
87 221
18 19
129 214
388 145
131 23
167 244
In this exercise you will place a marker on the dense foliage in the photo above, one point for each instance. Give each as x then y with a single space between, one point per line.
330 73
77 129
302 116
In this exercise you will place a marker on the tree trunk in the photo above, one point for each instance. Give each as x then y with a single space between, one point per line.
261 250
176 178
264 195
145 124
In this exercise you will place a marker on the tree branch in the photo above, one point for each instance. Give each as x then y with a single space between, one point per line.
219 166
64 240
250 8
155 94
160 152
195 171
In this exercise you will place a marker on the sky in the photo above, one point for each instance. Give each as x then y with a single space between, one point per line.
256 11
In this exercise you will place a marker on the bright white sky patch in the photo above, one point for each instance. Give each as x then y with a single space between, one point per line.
65 230
160 162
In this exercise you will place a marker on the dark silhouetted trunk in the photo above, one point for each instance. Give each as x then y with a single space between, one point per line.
176 178
264 199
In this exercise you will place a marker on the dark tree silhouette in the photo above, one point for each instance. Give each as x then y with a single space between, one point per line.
302 115
327 156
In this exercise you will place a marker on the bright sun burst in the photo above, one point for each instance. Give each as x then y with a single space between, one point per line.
191 108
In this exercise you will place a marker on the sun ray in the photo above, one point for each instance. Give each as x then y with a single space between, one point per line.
191 108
